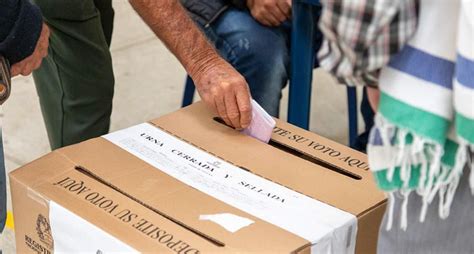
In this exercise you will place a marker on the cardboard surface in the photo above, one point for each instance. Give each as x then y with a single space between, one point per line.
128 185
353 195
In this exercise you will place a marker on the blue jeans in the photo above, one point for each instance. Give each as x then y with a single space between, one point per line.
258 52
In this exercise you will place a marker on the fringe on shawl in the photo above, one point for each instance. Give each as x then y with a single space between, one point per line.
441 180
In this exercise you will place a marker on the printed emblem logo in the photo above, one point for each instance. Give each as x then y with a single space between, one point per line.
44 231
215 163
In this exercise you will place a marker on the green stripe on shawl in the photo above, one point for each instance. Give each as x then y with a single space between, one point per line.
465 127
425 124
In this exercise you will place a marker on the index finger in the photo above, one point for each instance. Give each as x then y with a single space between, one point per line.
245 108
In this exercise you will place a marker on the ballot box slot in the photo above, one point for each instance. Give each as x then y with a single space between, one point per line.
304 156
313 159
97 178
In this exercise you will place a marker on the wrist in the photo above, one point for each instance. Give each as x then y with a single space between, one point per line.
202 62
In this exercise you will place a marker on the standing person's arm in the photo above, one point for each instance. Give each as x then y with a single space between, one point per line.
360 37
23 36
220 86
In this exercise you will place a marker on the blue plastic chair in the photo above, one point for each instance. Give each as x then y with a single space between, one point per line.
188 95
302 63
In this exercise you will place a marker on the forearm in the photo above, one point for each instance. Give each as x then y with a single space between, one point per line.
169 21
220 86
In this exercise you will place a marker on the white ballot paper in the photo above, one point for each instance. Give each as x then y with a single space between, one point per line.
262 124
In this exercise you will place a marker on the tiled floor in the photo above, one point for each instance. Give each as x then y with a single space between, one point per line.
149 83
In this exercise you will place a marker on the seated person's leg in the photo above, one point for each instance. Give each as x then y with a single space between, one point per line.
368 116
258 52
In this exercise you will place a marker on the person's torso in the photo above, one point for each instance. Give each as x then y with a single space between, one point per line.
204 12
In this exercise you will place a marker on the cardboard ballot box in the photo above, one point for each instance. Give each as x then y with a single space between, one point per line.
185 183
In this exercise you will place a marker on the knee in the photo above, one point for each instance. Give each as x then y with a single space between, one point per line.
247 42
267 51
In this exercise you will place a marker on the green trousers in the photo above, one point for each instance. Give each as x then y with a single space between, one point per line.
75 83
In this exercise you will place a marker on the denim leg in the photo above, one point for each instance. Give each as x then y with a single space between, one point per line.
258 52
3 187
